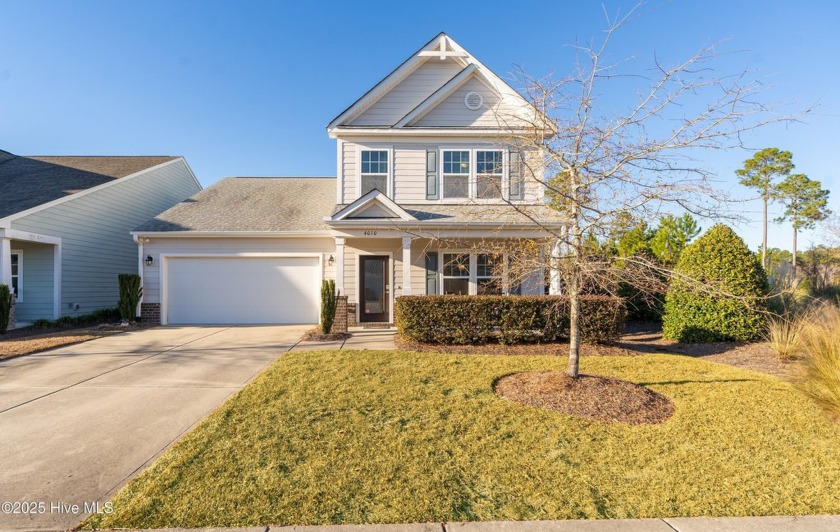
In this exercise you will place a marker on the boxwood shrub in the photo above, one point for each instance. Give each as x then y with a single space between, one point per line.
505 319
717 291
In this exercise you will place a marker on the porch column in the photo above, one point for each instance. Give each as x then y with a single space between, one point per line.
555 286
6 261
339 265
406 260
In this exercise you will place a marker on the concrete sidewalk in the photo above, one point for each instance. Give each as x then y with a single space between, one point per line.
812 523
374 339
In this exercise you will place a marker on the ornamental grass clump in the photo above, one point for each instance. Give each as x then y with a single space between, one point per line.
785 333
821 347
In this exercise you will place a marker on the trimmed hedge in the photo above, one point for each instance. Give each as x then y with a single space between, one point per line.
505 319
725 301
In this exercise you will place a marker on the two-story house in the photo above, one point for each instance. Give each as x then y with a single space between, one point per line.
428 184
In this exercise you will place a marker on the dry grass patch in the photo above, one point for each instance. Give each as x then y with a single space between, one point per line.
821 345
36 344
330 437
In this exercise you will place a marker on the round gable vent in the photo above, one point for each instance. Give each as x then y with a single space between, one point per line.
473 101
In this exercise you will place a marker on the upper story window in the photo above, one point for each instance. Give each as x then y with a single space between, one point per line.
374 174
489 169
456 174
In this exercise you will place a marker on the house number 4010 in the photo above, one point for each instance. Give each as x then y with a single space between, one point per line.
370 233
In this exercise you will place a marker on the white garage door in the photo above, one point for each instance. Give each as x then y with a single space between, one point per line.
229 290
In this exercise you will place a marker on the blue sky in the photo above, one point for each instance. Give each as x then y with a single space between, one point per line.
246 88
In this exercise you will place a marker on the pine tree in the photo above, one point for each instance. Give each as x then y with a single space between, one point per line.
805 204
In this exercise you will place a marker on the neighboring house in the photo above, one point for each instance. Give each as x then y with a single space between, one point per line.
65 222
426 176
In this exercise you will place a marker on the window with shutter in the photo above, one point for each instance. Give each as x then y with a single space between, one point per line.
432 175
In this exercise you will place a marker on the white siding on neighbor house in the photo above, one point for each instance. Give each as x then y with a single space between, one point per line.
495 113
407 94
195 245
94 228
409 167
37 281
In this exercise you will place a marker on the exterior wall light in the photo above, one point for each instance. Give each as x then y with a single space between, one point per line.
149 260
331 260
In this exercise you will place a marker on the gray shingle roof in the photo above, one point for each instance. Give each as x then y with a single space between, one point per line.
252 204
27 182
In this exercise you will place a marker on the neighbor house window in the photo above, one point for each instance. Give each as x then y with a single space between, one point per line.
488 275
456 174
489 170
456 273
17 275
374 171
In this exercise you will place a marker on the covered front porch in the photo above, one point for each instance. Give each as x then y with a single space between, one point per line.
30 265
376 267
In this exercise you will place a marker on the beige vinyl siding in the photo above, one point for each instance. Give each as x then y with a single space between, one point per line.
94 228
38 278
407 94
195 245
452 112
410 172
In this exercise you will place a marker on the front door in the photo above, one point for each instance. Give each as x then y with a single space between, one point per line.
375 288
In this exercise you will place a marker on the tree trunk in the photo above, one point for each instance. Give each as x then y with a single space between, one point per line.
764 236
574 326
795 231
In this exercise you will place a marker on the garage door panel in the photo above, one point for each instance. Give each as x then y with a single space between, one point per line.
221 290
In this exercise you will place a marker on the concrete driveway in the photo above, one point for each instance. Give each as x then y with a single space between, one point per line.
77 422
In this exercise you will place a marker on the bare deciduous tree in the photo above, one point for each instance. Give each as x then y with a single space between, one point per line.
600 164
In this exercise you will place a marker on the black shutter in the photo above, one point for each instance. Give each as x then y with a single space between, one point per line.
432 274
517 187
432 175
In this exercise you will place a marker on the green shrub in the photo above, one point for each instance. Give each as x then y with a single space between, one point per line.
717 291
5 307
104 315
328 303
130 294
643 286
518 319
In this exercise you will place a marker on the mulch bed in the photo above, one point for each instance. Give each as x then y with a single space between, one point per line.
315 335
589 397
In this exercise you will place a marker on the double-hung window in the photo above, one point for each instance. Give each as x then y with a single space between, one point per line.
17 275
456 174
456 273
489 273
468 273
489 170
374 173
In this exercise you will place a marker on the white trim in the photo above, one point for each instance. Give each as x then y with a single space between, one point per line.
416 131
91 190
339 172
406 263
385 84
232 234
164 281
19 294
57 276
367 199
389 282
26 236
340 242
437 96
140 271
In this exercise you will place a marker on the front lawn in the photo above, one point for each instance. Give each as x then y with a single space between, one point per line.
381 437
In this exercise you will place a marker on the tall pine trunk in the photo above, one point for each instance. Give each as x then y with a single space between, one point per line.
764 235
795 231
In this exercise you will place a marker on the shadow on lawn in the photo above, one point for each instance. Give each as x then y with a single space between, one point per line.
710 381
646 337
